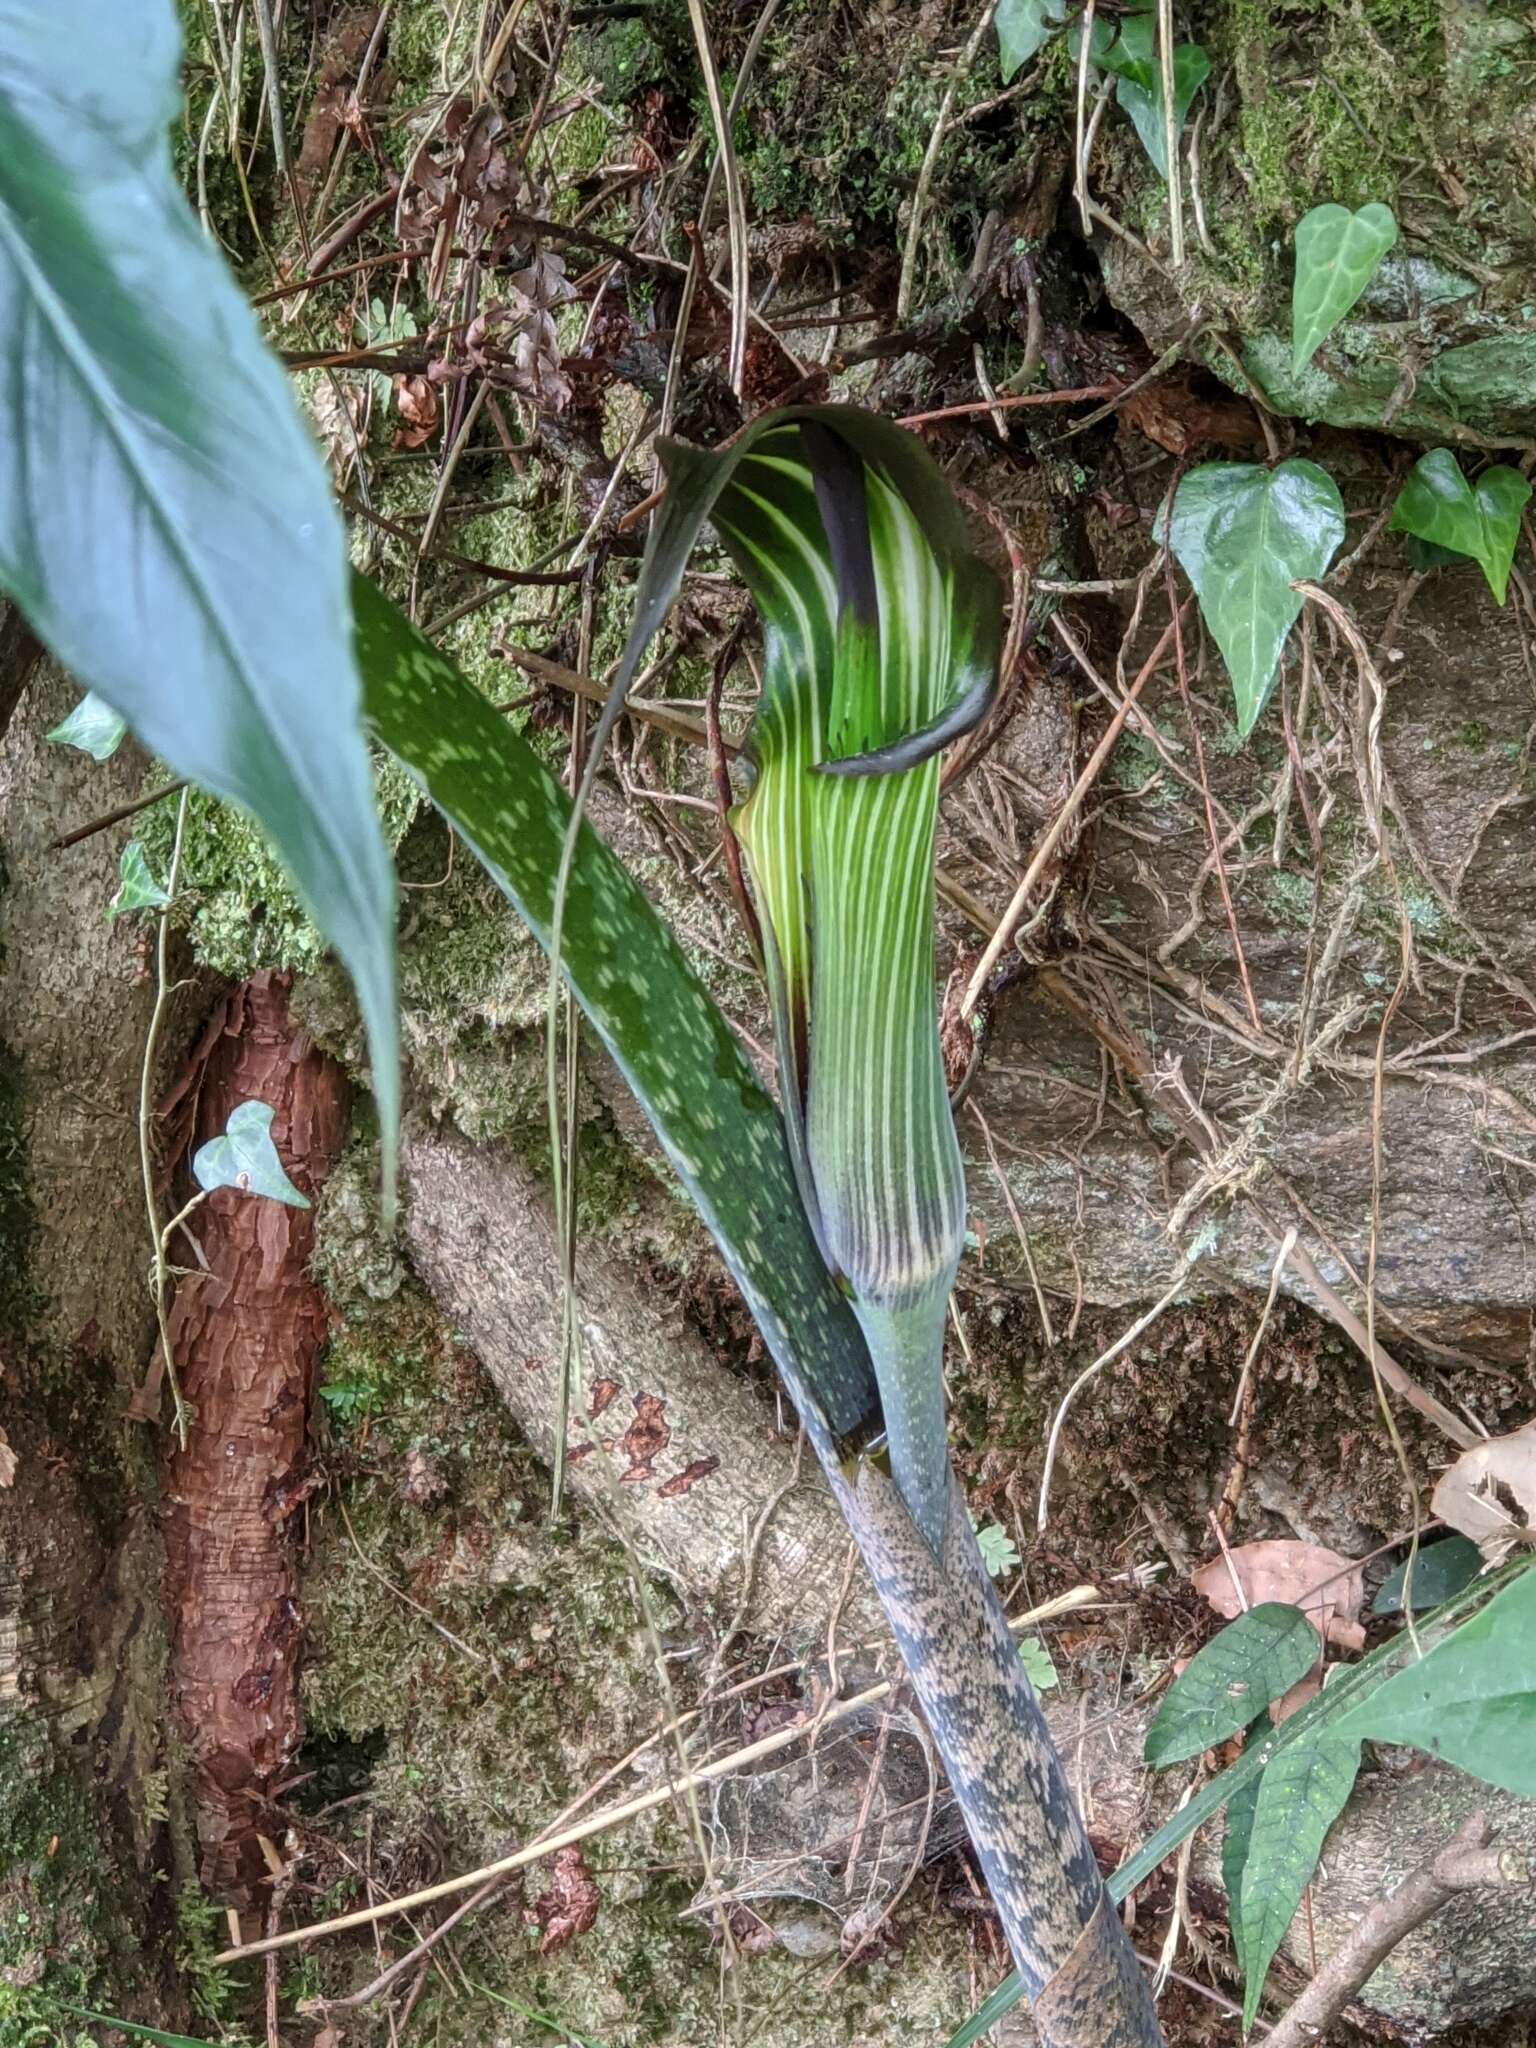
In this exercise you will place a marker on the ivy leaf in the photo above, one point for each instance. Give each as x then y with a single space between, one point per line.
1440 1571
1481 520
1336 257
1472 1700
1133 58
93 726
997 1549
166 524
1191 68
1023 27
1294 1803
246 1158
1231 1681
137 888
1427 554
1038 1662
1243 535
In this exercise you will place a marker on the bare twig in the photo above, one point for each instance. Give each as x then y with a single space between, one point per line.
1468 1862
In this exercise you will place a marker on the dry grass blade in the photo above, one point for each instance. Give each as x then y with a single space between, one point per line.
735 204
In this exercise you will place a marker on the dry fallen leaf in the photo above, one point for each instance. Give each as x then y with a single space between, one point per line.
1489 1493
7 1460
570 1905
1327 1588
416 403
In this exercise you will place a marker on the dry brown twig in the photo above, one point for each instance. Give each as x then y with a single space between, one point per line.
1469 1862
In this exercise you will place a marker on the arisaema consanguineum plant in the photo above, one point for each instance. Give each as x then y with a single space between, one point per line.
881 629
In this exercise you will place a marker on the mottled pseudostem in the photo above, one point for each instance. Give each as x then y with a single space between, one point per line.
1080 1973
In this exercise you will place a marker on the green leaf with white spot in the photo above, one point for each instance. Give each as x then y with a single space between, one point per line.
1440 1571
1229 1683
1024 27
1297 1800
137 888
1480 519
93 726
1243 535
719 1128
1472 1700
166 524
1337 254
245 1157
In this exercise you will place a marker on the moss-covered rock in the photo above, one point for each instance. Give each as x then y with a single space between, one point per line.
1425 105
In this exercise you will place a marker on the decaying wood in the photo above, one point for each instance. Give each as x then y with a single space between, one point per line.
246 1334
694 1451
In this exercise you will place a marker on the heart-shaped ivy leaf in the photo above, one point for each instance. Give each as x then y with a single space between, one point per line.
1336 257
246 1158
137 888
93 726
1023 27
1481 520
1134 59
1243 535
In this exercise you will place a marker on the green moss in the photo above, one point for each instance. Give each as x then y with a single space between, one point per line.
62 1932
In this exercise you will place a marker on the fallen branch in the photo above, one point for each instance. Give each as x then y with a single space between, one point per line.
1468 1862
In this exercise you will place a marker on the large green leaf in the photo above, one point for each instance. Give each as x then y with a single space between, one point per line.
881 636
1472 1700
1023 27
718 1127
1236 1834
1336 257
1296 1801
1482 520
1243 535
165 520
1232 1680
1323 1717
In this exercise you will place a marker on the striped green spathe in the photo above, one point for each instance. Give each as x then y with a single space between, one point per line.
880 631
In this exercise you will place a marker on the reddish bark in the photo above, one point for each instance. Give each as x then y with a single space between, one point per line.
246 1335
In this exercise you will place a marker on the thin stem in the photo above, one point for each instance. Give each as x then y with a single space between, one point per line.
157 1237
181 1216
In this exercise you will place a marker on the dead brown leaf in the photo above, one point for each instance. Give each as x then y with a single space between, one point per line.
7 1461
1489 1493
570 1905
416 403
645 1439
1327 1588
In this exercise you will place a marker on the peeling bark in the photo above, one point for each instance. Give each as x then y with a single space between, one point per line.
245 1336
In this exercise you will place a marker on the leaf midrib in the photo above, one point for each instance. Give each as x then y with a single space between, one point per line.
79 357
